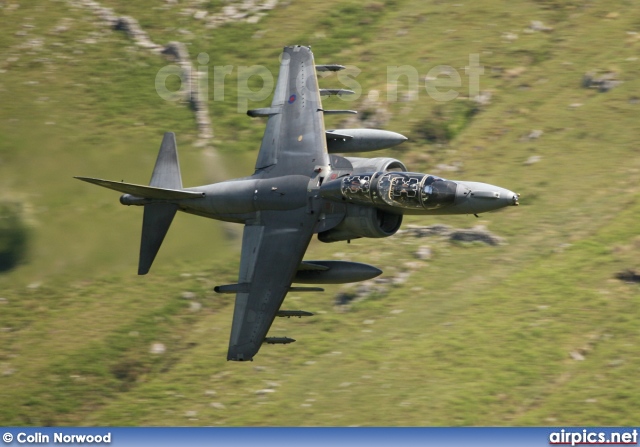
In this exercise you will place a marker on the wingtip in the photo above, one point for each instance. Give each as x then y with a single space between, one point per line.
88 179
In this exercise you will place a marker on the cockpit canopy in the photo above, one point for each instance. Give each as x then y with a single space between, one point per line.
408 190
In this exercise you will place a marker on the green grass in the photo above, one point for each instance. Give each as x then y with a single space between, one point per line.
534 332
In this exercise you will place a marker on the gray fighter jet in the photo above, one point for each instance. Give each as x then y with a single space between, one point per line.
299 188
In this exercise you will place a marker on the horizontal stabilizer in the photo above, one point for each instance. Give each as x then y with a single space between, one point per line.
148 192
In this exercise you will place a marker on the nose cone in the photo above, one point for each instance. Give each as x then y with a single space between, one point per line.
475 197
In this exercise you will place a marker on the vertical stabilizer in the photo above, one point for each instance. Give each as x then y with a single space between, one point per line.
166 173
158 216
155 224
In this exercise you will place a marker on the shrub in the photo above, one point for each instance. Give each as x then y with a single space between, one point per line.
13 236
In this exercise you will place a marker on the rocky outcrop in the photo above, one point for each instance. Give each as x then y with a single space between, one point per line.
603 82
132 28
630 276
479 233
176 51
250 11
363 290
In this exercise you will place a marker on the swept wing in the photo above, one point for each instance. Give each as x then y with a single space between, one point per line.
294 143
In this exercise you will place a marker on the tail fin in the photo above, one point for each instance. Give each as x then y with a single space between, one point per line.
155 224
158 216
165 186
166 173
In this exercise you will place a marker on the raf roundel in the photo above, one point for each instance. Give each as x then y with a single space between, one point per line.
292 99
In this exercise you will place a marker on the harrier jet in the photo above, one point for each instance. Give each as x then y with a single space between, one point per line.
300 187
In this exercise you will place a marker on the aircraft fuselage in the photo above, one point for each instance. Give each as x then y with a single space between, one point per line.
394 192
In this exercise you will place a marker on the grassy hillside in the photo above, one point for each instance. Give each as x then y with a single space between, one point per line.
536 331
